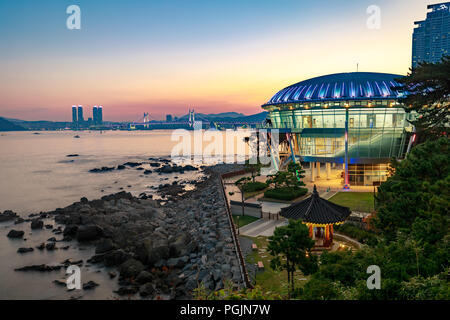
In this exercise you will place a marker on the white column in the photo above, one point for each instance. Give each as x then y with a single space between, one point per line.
311 165
318 169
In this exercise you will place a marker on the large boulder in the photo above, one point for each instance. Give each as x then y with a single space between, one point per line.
115 258
131 268
7 216
146 290
89 232
70 230
37 224
104 245
151 250
178 245
144 277
15 234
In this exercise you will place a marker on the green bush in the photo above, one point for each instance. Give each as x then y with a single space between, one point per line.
363 236
285 193
254 186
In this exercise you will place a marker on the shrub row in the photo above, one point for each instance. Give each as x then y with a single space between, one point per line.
285 193
254 186
352 231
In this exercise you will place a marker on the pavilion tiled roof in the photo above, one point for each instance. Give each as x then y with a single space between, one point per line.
316 210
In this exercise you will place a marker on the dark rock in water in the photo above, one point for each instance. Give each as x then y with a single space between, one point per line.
19 221
121 167
102 169
146 290
71 262
37 224
40 268
8 215
118 195
104 245
52 239
89 232
84 200
48 226
115 258
77 136
41 246
65 248
131 268
15 234
132 164
50 246
24 250
70 230
144 277
90 285
112 274
147 171
60 282
72 155
154 164
126 291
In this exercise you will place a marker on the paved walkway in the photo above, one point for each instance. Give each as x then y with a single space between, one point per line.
261 227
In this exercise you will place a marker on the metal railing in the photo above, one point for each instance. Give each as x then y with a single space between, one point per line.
234 235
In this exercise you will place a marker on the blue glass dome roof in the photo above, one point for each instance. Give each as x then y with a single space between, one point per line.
340 86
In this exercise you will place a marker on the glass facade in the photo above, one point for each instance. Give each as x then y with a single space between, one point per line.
372 132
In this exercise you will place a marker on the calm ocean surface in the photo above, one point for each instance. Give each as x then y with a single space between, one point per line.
36 174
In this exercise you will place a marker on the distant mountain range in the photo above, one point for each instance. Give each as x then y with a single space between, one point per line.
6 125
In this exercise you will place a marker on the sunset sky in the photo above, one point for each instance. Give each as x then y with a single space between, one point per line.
164 56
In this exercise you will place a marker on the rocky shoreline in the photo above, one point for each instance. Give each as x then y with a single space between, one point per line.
162 249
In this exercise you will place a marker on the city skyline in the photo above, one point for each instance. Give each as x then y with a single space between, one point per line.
163 58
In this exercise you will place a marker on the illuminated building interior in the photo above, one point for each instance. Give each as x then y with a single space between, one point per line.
315 112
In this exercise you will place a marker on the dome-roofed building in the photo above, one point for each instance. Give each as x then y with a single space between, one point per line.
352 118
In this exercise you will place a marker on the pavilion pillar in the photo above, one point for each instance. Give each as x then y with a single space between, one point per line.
328 166
311 164
318 169
310 231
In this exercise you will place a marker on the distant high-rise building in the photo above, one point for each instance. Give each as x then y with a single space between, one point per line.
431 37
100 114
95 114
169 118
80 114
74 115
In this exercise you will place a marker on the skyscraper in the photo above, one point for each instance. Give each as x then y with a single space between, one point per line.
95 115
100 115
80 114
74 115
431 37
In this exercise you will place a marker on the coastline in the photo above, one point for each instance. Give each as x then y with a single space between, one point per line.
159 249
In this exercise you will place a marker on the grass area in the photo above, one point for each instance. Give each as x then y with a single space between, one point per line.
243 220
356 201
248 195
271 280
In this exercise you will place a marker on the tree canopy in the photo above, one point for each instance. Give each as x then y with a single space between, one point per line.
428 93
